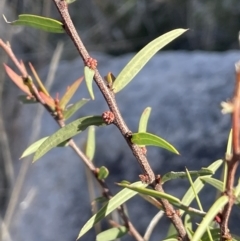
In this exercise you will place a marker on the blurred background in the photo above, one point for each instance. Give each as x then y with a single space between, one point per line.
116 28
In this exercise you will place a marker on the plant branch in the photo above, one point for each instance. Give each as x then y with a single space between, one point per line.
107 94
234 161
106 191
149 175
152 225
72 144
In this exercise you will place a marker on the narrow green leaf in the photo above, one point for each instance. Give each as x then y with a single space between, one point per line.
198 202
237 194
212 212
190 210
70 1
148 139
26 99
188 225
213 182
99 200
216 234
73 108
142 57
190 234
152 200
33 148
174 175
229 146
90 145
152 193
172 232
66 133
187 221
69 93
112 234
194 191
89 73
224 175
39 22
103 173
172 237
120 198
198 185
144 120
36 76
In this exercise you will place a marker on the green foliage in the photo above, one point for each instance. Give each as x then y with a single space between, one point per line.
61 112
198 185
33 147
143 122
214 182
69 93
212 212
66 133
120 198
174 175
142 57
71 110
89 73
91 143
112 234
39 22
152 193
103 173
148 139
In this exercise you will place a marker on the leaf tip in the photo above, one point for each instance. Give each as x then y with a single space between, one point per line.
5 19
79 235
35 158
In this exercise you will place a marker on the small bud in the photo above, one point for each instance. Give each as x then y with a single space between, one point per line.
108 117
144 178
91 63
110 78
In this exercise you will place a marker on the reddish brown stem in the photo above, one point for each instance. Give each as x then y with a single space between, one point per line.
149 175
234 161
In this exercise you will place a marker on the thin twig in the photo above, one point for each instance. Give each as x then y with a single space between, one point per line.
234 161
106 192
36 126
152 225
109 96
